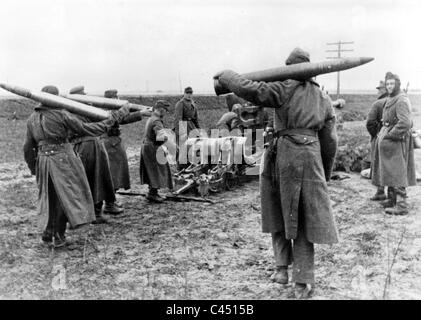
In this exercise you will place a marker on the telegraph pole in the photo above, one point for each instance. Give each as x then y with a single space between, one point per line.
339 50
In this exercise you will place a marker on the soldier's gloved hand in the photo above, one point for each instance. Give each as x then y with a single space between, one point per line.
220 73
114 131
119 114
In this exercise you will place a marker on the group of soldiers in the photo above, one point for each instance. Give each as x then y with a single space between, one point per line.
295 203
389 123
80 164
72 169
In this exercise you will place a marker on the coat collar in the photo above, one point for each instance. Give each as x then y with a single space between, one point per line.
391 101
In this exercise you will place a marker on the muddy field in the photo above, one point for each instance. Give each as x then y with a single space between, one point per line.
198 250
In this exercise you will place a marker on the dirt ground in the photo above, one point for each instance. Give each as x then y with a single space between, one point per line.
203 251
199 250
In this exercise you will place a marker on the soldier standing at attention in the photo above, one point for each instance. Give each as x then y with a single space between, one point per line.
154 169
296 208
64 193
185 110
394 164
97 167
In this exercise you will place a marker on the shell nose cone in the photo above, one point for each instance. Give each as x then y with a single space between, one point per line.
365 60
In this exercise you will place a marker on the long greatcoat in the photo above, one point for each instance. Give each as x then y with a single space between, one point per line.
393 163
186 110
295 181
117 155
119 165
153 170
60 163
91 151
374 123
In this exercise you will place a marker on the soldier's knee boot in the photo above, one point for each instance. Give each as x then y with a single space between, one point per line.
401 208
391 198
379 195
99 218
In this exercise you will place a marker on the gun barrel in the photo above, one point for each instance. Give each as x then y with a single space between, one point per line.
53 101
299 71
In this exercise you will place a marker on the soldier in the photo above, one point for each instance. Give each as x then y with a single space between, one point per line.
231 120
374 124
77 90
293 189
155 173
185 110
95 161
393 164
117 156
64 193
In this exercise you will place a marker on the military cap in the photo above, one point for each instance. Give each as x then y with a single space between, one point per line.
188 90
390 75
112 93
297 55
50 89
381 85
77 90
162 104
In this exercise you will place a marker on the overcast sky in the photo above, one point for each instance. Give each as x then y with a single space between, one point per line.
135 45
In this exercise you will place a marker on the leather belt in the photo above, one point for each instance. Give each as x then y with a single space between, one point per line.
301 131
51 149
51 142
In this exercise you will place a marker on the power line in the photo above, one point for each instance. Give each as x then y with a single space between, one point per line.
339 50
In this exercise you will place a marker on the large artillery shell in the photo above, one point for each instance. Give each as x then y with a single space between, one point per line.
53 101
106 103
299 71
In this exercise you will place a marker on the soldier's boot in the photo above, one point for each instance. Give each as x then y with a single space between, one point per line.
401 208
112 208
153 196
380 195
47 236
116 202
59 240
99 218
391 198
303 290
280 275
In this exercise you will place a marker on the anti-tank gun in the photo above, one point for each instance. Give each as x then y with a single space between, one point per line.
206 176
